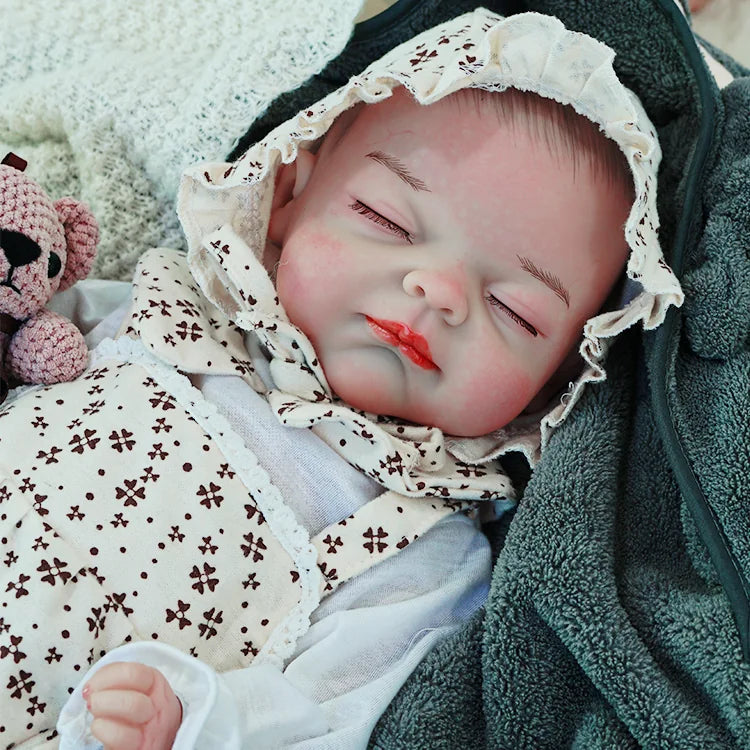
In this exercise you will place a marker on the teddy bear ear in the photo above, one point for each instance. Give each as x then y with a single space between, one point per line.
13 160
81 236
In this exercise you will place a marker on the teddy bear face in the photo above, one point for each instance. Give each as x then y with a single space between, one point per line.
32 245
44 246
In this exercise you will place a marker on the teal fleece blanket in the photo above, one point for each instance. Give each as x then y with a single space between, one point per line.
618 613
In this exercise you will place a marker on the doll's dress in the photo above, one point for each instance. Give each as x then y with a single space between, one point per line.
131 510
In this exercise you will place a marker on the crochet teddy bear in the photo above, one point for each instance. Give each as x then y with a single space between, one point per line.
45 246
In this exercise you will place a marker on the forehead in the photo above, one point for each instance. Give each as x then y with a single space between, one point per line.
458 147
488 173
446 126
453 150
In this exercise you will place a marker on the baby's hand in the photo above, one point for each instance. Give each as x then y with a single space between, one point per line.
133 707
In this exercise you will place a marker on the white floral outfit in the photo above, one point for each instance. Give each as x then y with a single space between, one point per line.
201 551
233 578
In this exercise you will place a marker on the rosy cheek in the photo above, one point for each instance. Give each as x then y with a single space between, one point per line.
309 263
321 251
494 394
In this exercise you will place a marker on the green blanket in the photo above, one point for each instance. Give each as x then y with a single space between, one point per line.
618 614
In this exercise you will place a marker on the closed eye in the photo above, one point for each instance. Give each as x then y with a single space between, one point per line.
380 220
514 316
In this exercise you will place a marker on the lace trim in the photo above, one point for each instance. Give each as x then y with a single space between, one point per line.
293 538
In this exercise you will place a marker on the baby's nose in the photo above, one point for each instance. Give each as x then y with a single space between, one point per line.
443 290
18 248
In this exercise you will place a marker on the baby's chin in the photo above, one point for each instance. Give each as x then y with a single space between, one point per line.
462 425
370 390
368 395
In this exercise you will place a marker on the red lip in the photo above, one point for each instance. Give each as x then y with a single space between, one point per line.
408 342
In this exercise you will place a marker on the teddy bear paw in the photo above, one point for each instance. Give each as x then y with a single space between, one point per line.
47 349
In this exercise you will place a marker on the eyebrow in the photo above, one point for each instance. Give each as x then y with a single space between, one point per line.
399 169
547 278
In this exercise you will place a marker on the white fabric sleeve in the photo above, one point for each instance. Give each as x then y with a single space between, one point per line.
364 641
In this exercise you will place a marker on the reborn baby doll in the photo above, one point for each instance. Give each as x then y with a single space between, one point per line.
417 278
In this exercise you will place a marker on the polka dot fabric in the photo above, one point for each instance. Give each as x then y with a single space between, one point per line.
139 514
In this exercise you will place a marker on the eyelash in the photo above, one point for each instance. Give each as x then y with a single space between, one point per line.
515 317
375 217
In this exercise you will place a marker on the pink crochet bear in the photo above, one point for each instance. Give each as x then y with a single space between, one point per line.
44 246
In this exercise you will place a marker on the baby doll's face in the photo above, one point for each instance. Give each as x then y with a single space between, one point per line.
443 264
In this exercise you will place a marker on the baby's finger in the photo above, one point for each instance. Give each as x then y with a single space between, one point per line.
127 706
116 736
122 674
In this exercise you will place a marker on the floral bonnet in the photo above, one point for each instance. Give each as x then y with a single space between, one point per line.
480 49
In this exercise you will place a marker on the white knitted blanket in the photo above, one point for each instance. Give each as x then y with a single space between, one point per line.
109 101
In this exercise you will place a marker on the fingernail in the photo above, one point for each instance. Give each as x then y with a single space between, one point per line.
86 692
